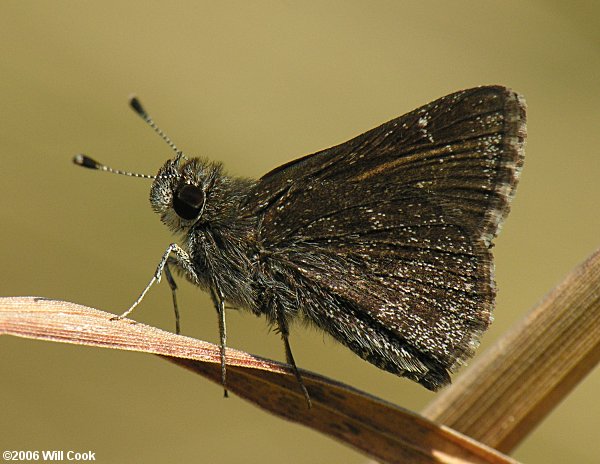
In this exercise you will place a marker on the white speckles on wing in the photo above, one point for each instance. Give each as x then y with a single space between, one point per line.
422 123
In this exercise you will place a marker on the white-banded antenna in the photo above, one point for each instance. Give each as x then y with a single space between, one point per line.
136 106
90 163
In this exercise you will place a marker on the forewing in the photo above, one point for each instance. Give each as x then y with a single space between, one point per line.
398 220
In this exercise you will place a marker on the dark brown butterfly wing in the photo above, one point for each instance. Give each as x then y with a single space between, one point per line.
391 230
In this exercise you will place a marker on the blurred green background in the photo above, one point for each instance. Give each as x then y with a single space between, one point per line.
256 84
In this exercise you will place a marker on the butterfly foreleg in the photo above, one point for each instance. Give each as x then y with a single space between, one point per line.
176 255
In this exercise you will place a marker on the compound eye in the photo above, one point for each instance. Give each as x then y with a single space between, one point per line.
188 201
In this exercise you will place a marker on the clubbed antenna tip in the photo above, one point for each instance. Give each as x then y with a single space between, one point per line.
137 107
86 161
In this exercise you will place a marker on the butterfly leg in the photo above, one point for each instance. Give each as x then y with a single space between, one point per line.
284 331
173 286
219 302
182 259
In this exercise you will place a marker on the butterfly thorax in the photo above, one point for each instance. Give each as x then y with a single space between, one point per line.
201 205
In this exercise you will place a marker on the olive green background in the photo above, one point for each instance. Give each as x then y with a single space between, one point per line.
256 84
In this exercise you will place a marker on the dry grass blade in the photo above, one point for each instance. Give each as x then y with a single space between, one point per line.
515 384
381 430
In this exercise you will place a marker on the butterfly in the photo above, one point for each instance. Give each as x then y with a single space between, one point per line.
383 242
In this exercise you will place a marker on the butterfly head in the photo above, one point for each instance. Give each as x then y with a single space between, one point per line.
180 190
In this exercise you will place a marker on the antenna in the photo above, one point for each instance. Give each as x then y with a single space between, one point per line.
90 163
87 162
136 106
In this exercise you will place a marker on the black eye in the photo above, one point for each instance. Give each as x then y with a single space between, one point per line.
188 201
